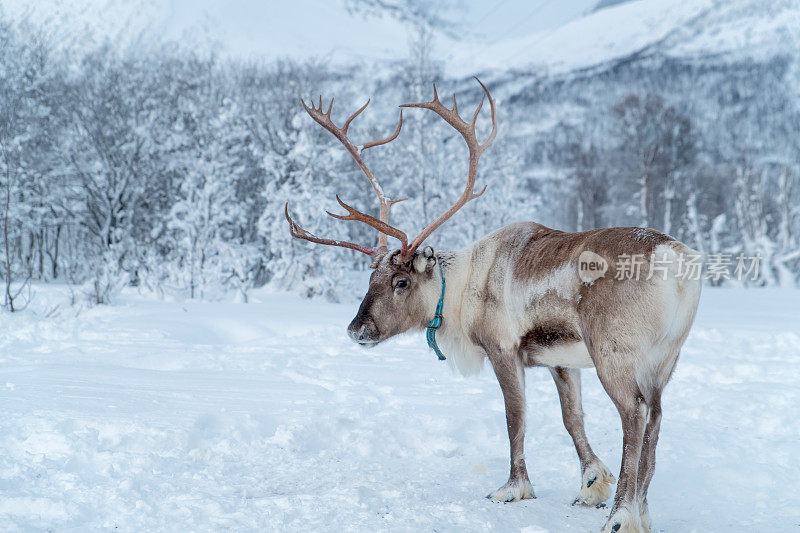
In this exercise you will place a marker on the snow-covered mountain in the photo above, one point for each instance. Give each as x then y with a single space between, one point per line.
301 29
710 57
608 32
669 28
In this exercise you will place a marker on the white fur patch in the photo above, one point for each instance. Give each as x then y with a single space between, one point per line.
460 307
462 355
572 355
562 280
677 299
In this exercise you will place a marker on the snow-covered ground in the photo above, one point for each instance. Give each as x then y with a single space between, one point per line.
150 415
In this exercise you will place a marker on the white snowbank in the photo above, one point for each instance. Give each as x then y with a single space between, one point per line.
151 416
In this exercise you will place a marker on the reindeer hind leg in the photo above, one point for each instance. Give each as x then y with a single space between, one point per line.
667 358
647 461
617 377
596 478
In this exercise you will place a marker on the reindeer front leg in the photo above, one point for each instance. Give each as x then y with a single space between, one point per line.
510 374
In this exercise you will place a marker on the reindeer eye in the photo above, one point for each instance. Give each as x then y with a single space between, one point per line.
400 284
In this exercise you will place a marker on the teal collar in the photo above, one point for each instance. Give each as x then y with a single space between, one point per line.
436 323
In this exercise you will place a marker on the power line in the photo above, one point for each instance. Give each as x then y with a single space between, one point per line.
492 10
524 20
527 17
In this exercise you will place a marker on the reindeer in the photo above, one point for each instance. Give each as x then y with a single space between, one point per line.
517 298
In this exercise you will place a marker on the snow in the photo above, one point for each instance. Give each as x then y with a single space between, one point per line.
553 38
152 415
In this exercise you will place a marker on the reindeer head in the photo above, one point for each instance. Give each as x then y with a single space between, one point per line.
403 290
398 299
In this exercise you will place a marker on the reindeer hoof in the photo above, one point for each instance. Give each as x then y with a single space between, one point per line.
513 491
601 505
645 520
595 486
623 521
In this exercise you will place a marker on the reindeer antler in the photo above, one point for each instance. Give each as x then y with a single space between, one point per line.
379 225
299 233
467 131
451 116
385 204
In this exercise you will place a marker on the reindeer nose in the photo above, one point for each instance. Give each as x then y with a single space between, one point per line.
358 335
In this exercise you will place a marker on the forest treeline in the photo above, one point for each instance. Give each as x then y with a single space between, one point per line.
169 170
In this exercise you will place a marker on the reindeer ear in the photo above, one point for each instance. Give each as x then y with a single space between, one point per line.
424 261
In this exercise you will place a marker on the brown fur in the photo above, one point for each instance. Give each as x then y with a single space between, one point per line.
547 248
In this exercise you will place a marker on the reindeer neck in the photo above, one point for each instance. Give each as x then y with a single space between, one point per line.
455 267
